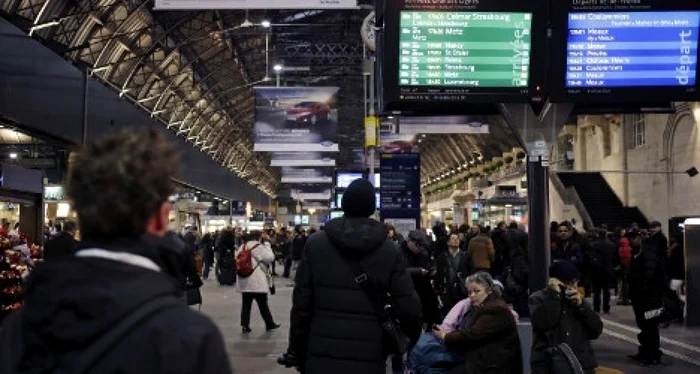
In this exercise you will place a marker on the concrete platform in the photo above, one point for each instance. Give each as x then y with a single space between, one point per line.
257 352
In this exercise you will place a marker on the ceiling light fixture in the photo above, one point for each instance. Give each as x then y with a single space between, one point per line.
266 24
13 155
277 68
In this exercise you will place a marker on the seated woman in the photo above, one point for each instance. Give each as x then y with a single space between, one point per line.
430 355
489 339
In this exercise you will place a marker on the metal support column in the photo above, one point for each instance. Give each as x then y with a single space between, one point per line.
539 244
536 133
86 92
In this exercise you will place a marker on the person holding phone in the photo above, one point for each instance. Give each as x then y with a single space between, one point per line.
560 314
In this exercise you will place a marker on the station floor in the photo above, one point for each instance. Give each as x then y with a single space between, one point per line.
257 352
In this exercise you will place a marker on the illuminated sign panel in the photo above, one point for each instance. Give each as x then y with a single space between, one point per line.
447 52
627 53
459 49
626 49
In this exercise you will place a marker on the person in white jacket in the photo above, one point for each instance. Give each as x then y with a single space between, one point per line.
256 287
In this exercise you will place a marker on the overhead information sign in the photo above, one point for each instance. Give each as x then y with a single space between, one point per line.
400 190
442 52
625 49
254 4
400 181
624 53
465 49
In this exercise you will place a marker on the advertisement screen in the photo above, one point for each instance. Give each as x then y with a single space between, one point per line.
344 179
296 119
339 200
465 49
629 49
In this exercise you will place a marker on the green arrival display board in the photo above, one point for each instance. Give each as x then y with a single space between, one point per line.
464 49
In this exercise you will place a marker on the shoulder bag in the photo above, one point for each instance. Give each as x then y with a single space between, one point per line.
562 358
395 340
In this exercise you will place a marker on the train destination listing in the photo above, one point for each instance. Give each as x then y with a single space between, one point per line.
632 49
464 49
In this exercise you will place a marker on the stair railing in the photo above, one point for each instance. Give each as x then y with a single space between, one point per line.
571 197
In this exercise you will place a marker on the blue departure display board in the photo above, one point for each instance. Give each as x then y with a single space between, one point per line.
632 49
400 181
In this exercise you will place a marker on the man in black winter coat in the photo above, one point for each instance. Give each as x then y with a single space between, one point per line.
334 327
120 188
605 257
647 282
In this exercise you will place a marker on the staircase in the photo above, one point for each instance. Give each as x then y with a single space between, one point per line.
601 202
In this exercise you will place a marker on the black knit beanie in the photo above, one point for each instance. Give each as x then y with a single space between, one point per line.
359 199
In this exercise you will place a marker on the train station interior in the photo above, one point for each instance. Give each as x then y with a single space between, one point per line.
464 116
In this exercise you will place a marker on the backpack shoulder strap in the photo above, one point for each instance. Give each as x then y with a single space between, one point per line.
366 284
96 352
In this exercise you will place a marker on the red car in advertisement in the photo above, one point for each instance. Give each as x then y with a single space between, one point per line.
398 146
308 112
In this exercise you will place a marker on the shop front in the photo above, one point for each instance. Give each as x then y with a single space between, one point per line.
21 210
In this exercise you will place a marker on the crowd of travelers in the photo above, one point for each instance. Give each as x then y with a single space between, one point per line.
448 300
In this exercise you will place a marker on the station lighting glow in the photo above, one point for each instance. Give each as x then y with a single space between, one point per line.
265 24
13 155
277 67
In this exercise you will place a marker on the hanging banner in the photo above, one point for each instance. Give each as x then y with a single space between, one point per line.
311 193
296 119
299 176
301 159
254 4
443 125
398 143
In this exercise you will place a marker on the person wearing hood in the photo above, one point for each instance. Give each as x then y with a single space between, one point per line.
116 306
334 327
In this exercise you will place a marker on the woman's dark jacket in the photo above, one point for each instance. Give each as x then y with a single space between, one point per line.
334 328
298 244
490 341
415 263
449 280
579 325
647 279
